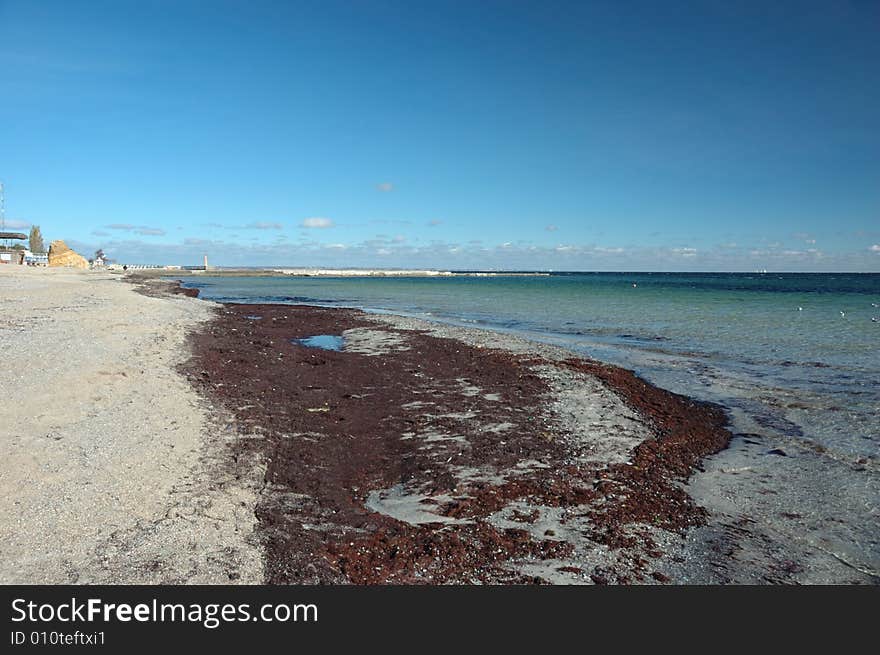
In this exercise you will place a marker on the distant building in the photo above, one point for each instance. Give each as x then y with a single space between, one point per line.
36 259
12 255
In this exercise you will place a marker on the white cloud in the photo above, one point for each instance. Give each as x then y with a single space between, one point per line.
16 225
440 254
316 222
435 223
264 225
383 221
551 228
143 230
385 187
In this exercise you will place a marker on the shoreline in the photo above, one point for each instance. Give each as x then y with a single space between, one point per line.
422 453
594 495
780 508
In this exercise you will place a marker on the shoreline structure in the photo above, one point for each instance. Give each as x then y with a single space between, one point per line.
199 442
167 271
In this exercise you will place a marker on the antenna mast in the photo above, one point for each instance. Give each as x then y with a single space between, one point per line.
3 214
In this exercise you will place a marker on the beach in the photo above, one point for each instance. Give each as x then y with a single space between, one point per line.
413 456
110 471
159 438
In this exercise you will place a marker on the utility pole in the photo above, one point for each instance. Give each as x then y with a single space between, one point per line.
3 213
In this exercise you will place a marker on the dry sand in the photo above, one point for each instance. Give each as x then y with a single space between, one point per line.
112 469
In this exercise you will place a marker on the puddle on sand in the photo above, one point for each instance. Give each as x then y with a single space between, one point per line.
253 317
322 341
409 506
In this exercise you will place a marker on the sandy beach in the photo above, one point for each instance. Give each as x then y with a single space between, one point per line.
110 471
153 437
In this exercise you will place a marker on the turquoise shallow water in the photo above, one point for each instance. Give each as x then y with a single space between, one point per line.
738 339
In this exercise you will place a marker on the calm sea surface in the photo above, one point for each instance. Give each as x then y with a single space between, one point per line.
794 357
782 332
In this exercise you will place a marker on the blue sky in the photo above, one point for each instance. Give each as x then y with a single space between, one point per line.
579 136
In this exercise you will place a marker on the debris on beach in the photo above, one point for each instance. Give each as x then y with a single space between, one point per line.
422 459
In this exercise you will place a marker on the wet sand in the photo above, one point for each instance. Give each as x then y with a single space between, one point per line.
471 457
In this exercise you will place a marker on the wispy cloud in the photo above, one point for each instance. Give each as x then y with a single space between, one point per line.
522 255
264 225
435 223
316 222
16 225
385 221
100 233
806 237
385 187
551 228
143 230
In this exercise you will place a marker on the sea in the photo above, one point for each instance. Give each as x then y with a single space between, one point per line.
794 359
